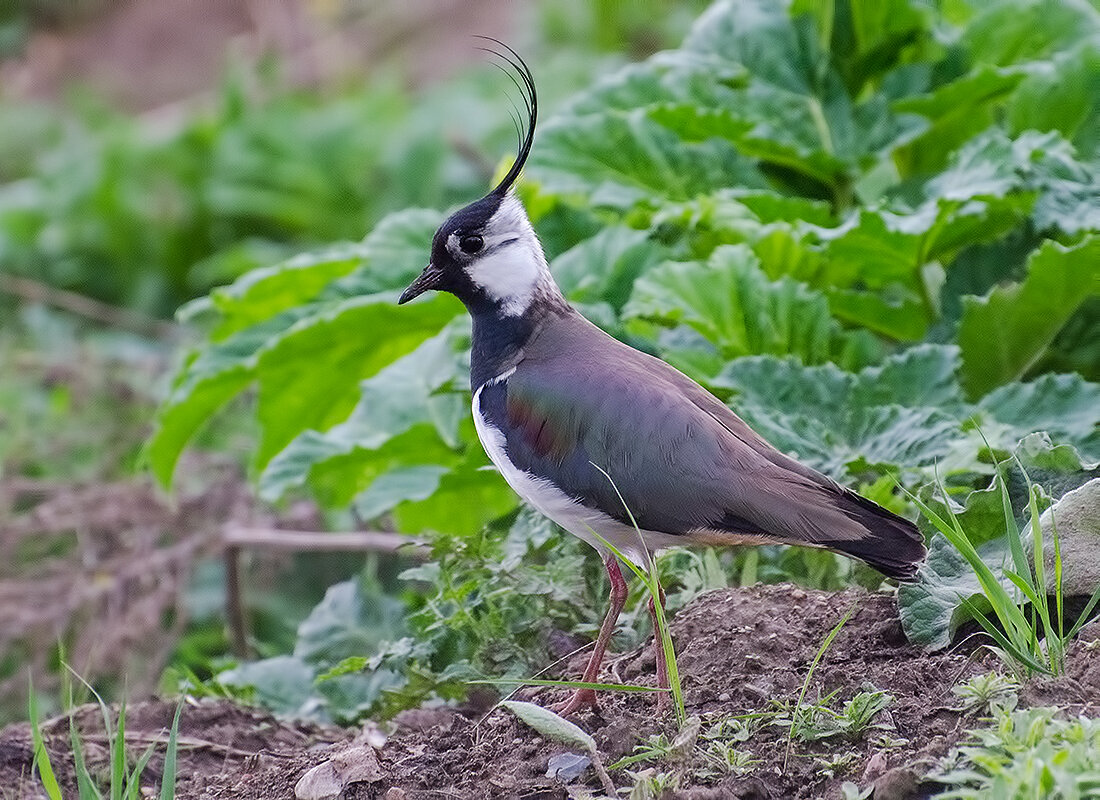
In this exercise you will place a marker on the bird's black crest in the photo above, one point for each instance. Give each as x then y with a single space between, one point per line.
525 82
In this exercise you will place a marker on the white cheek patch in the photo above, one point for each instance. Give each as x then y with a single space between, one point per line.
509 275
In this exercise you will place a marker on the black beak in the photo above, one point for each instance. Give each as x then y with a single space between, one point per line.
429 279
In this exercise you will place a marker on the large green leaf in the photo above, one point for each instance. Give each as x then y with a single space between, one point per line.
1062 94
1066 406
398 397
388 258
795 94
904 413
995 165
207 380
1019 31
605 267
733 305
956 111
468 497
265 292
309 377
619 159
1004 333
934 607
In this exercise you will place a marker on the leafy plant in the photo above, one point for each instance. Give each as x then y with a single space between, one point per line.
125 780
1030 752
1032 640
983 692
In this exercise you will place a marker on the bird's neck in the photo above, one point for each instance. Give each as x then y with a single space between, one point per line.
499 339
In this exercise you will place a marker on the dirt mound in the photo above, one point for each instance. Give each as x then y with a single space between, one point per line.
741 652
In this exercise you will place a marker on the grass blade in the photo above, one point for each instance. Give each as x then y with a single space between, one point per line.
1002 641
1085 613
85 785
168 779
41 755
118 754
809 676
133 780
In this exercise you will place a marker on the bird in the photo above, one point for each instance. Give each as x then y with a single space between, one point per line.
615 445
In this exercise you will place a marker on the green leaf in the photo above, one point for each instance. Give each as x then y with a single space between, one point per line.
1062 94
1004 333
904 413
956 111
309 377
351 620
731 303
263 293
795 96
468 497
1018 31
604 267
207 380
289 309
398 485
403 395
550 725
1067 192
395 252
1066 406
621 159
283 684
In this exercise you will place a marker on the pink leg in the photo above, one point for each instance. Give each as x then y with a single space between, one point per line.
659 655
587 697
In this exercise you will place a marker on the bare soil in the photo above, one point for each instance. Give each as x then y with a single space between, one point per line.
739 649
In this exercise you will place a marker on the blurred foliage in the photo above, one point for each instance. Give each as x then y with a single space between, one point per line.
148 213
871 227
93 395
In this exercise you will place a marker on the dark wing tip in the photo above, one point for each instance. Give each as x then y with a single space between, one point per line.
895 547
526 85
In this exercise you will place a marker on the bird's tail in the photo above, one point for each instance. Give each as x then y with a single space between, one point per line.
894 547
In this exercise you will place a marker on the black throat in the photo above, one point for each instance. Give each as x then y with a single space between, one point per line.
499 339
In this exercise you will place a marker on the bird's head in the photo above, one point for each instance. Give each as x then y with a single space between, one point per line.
487 254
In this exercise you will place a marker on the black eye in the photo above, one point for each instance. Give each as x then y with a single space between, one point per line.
471 244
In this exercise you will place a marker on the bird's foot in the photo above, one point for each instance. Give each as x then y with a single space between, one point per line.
582 698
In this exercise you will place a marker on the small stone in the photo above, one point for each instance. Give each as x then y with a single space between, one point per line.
724 697
320 783
358 765
876 767
567 767
900 783
327 780
393 793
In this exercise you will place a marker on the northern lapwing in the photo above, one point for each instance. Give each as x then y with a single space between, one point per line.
573 418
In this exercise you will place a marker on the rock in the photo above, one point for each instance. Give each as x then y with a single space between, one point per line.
320 783
876 767
358 764
1077 517
899 783
327 780
567 767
